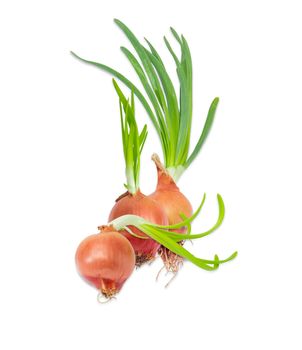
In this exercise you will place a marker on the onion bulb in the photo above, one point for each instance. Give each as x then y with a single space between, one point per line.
105 260
138 204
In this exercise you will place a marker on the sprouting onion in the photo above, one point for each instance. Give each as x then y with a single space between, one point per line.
163 235
134 201
170 114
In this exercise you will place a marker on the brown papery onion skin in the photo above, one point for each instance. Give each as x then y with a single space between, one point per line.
105 260
147 208
174 203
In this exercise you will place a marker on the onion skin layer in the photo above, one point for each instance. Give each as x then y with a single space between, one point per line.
169 197
174 203
105 260
147 208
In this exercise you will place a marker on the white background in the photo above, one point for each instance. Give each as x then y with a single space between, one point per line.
62 168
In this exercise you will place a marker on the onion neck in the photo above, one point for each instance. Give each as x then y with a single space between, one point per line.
127 193
165 181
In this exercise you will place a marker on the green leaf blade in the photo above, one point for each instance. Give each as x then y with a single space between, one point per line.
205 131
